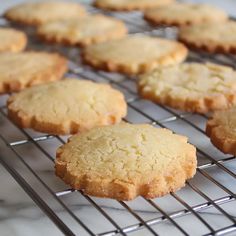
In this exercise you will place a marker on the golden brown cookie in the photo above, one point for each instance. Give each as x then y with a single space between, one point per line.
220 37
221 129
24 69
12 40
134 54
67 106
38 13
192 87
126 160
87 30
130 5
181 14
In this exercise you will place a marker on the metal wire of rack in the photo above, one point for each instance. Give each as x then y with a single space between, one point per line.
29 157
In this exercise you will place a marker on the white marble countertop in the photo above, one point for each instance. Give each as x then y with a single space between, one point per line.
20 216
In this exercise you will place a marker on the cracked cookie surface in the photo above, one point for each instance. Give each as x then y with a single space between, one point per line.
25 69
134 54
87 30
220 37
130 5
67 106
38 13
192 87
221 129
12 40
124 161
180 14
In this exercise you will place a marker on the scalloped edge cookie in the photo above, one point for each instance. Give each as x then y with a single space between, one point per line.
213 15
207 44
50 73
208 102
220 133
107 141
15 15
64 122
177 55
119 30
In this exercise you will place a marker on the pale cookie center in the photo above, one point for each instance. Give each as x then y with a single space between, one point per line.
71 100
133 51
221 33
114 154
81 28
186 12
48 11
190 81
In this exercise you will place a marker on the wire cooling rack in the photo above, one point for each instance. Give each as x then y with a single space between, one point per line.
206 206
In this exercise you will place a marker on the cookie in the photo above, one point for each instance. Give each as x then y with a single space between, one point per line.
192 87
221 129
125 161
12 40
25 69
39 13
87 30
67 106
130 5
218 37
134 54
181 14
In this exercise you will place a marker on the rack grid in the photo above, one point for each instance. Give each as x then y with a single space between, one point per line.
210 195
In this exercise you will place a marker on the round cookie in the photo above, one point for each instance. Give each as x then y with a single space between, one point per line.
124 161
181 14
38 13
220 37
130 5
87 30
134 54
12 40
192 87
221 129
67 106
25 69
